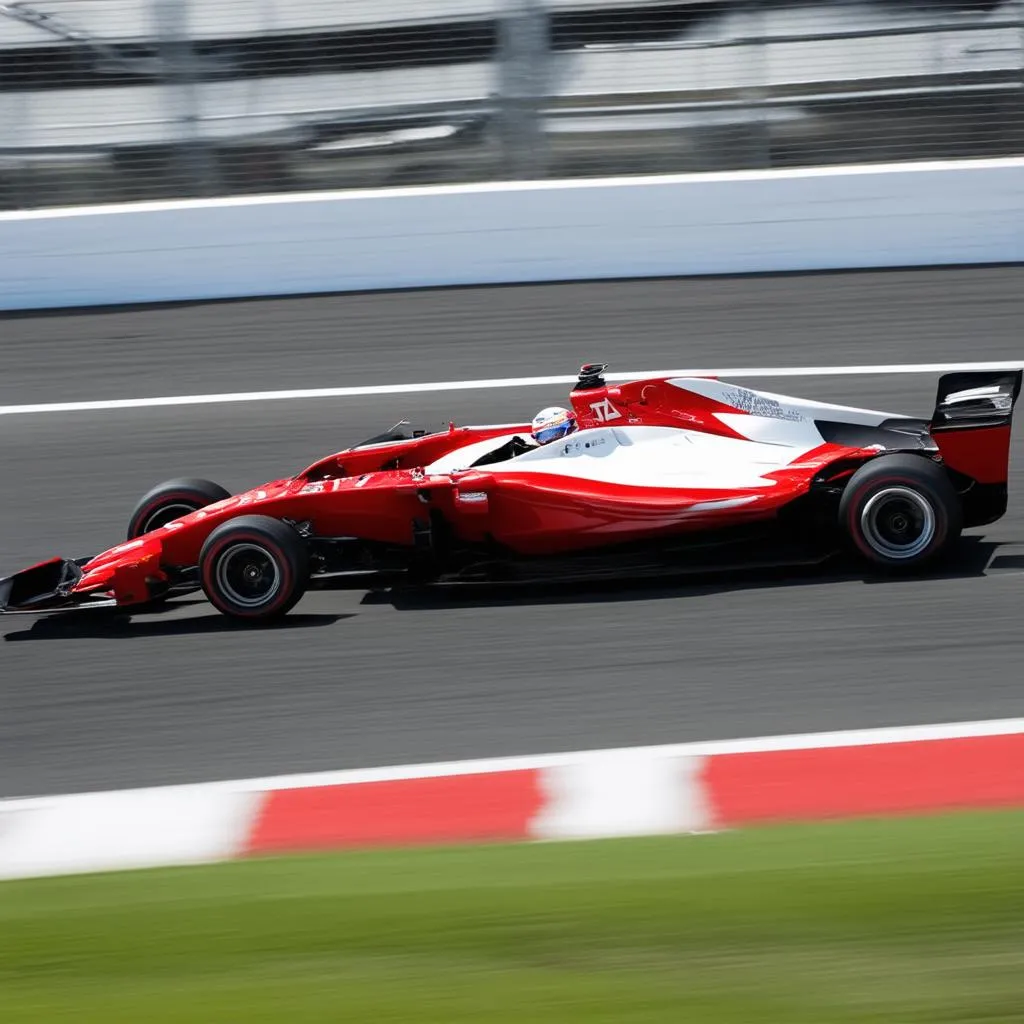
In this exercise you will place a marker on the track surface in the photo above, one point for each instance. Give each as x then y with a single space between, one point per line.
347 681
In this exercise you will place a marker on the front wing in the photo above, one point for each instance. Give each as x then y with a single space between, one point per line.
48 586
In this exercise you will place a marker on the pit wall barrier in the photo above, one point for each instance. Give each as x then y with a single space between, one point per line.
831 218
670 790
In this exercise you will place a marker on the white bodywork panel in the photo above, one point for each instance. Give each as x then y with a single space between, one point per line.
655 457
778 431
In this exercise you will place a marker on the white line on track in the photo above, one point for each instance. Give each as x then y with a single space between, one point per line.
306 394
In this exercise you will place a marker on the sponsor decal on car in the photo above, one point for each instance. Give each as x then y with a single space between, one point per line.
578 445
604 411
758 405
130 546
472 502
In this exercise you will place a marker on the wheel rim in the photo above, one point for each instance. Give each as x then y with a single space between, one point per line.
898 522
164 515
247 575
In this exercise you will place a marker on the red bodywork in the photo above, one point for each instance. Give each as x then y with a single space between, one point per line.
376 492
350 493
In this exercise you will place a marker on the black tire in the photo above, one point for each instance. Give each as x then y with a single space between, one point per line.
900 512
171 500
254 568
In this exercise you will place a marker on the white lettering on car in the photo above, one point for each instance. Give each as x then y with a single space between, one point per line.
604 411
758 405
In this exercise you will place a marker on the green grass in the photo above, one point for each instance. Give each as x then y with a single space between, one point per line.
917 920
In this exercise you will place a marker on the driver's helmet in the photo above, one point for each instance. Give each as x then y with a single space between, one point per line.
552 423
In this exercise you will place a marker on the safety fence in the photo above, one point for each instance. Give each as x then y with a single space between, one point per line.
124 100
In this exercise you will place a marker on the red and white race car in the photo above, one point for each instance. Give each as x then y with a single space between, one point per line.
667 473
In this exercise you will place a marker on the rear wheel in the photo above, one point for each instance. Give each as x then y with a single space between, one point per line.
171 500
254 568
900 512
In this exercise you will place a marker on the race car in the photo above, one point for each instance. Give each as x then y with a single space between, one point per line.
664 473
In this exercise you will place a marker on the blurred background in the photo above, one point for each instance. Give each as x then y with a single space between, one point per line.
120 100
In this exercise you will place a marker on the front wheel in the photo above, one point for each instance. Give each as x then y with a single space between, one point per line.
254 568
900 512
171 500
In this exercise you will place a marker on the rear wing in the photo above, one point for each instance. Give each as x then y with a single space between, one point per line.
976 400
971 425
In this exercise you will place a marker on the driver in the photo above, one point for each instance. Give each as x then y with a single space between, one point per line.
548 425
552 423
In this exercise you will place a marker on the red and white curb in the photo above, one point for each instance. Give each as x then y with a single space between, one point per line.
683 788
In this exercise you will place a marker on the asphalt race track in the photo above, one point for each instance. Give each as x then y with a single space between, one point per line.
348 680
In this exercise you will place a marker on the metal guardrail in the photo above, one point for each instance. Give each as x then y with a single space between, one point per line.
209 98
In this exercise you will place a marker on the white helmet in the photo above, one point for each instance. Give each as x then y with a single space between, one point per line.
552 423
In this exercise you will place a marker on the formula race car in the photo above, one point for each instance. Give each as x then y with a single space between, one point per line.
680 473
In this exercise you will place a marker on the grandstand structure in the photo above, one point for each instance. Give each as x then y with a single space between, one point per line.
122 100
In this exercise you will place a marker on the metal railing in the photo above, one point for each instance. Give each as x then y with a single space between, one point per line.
119 100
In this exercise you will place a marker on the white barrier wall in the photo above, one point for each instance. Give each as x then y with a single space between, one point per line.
745 222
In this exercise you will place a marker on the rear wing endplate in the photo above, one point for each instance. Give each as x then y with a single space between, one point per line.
975 399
